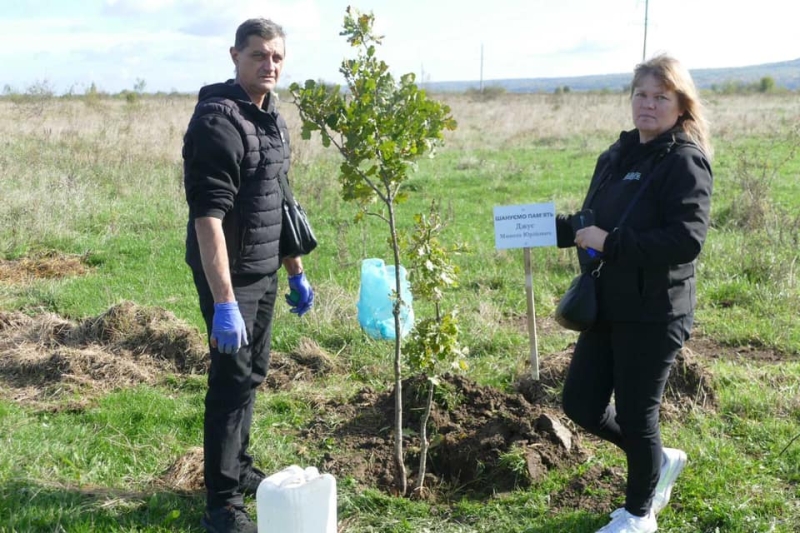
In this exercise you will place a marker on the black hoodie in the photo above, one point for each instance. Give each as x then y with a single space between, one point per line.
649 270
233 153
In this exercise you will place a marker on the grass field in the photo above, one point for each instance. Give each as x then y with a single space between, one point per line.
93 217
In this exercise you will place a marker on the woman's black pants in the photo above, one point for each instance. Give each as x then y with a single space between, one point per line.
632 360
232 383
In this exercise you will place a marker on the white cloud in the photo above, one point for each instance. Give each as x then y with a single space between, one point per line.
182 43
123 8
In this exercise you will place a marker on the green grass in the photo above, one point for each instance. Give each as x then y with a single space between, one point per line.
108 196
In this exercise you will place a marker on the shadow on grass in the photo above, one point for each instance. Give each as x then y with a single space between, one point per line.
574 523
34 507
29 506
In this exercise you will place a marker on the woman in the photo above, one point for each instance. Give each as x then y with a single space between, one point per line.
646 285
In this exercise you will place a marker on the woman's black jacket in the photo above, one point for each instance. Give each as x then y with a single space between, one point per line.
649 270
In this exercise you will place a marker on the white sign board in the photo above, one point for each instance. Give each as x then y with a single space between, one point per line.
524 226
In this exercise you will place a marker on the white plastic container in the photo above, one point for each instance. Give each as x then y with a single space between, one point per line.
297 500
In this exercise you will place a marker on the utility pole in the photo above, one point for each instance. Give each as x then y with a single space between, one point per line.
644 47
481 82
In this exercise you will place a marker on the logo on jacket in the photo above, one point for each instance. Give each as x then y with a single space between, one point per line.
632 176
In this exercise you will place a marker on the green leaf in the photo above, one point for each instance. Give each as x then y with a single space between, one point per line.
172 516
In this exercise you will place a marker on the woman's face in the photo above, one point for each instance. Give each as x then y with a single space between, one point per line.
655 109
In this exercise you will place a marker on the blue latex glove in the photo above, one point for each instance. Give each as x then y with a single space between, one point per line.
228 332
301 295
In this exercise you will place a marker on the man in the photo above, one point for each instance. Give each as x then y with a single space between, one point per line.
235 149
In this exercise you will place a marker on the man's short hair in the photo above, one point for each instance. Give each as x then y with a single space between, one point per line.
264 28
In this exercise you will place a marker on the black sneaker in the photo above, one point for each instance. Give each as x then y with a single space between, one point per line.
228 519
249 482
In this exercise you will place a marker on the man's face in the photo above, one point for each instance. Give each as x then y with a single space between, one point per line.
259 65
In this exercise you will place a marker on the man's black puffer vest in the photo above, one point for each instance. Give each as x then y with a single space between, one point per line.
234 153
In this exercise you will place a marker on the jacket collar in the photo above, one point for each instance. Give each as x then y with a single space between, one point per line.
233 91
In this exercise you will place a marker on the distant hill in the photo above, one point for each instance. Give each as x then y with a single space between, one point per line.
786 74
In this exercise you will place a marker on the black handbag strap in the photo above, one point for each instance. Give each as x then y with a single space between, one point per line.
286 189
642 187
635 199
645 182
641 190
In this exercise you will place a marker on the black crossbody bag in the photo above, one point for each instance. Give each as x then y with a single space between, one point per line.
297 237
577 309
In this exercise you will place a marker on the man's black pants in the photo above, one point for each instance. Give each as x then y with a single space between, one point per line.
232 383
632 360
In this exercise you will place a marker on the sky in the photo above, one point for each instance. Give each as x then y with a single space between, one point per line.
180 45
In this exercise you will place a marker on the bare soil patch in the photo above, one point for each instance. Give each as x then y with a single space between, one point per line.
484 441
705 347
487 441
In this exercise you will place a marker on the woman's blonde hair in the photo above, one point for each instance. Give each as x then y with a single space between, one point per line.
675 77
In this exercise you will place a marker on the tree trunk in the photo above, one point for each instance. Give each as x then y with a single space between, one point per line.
399 462
424 443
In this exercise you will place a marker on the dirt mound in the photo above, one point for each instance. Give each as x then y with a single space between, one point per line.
47 357
596 490
185 474
482 440
689 387
145 331
547 390
307 361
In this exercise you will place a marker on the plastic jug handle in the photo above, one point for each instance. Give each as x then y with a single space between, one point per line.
294 480
311 473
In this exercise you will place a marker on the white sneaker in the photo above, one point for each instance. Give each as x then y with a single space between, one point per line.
671 466
624 522
616 512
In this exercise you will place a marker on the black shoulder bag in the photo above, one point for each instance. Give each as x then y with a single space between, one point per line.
577 309
297 237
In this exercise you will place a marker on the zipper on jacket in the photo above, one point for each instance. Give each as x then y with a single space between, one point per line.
240 237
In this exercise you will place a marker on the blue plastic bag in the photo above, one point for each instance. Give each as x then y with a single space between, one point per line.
375 300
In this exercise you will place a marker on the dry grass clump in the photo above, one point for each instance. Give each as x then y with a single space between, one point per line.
48 265
12 320
305 363
48 357
185 474
690 386
146 331
311 355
